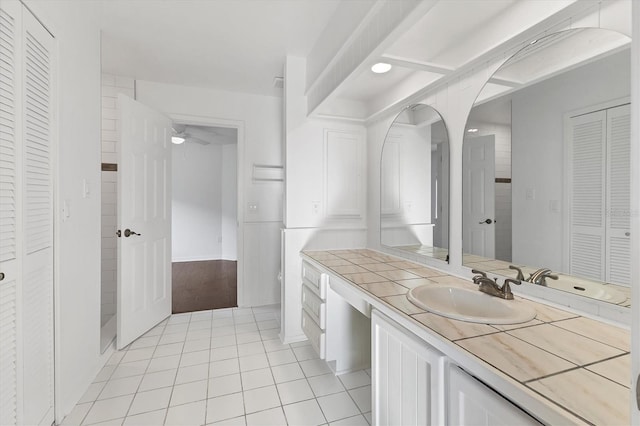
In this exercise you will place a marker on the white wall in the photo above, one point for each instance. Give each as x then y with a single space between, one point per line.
538 152
77 250
315 168
407 174
261 120
229 202
196 204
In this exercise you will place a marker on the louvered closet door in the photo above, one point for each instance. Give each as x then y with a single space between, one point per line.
26 219
588 156
10 217
37 292
618 258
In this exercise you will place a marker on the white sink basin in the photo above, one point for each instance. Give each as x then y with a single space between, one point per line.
470 305
587 288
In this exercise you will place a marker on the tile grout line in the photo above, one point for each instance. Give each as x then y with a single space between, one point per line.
166 413
265 335
206 394
109 380
110 377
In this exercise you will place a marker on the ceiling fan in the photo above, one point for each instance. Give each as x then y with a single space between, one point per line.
180 136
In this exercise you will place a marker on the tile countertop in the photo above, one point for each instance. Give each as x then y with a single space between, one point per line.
579 364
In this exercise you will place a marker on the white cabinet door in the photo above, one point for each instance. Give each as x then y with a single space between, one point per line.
473 403
407 377
344 191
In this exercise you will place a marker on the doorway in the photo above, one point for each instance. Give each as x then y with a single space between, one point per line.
204 217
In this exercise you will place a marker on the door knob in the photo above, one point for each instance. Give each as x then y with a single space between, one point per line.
487 221
128 232
1 276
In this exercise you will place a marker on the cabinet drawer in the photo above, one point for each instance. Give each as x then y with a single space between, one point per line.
314 333
314 306
315 279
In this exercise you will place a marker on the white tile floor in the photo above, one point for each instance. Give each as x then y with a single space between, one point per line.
222 367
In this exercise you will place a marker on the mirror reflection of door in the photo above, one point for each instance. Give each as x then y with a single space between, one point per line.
478 163
204 218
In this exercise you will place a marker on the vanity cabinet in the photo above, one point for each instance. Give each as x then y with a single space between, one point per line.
415 384
407 377
472 402
335 321
314 293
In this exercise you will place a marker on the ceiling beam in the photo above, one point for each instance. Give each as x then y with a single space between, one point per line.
417 65
505 82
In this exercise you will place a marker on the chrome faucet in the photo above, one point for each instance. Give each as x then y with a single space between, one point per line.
491 287
520 276
539 277
479 274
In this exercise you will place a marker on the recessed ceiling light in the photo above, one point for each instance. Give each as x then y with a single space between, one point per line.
381 67
472 130
177 140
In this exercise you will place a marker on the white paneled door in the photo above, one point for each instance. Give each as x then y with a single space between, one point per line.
144 220
26 218
478 192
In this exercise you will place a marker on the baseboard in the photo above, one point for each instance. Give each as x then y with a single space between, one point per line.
198 259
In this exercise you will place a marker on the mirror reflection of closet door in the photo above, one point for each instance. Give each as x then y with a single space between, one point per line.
618 243
600 195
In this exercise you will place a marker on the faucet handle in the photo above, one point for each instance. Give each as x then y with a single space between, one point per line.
520 276
479 275
477 271
506 289
543 277
512 281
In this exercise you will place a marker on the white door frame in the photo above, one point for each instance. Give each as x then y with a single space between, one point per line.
196 120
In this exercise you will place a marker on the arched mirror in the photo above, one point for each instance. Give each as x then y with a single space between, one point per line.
414 184
546 167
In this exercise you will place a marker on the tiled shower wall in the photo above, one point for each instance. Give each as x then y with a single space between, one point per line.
111 87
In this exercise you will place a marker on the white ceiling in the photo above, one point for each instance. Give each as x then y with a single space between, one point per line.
237 45
443 36
241 45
